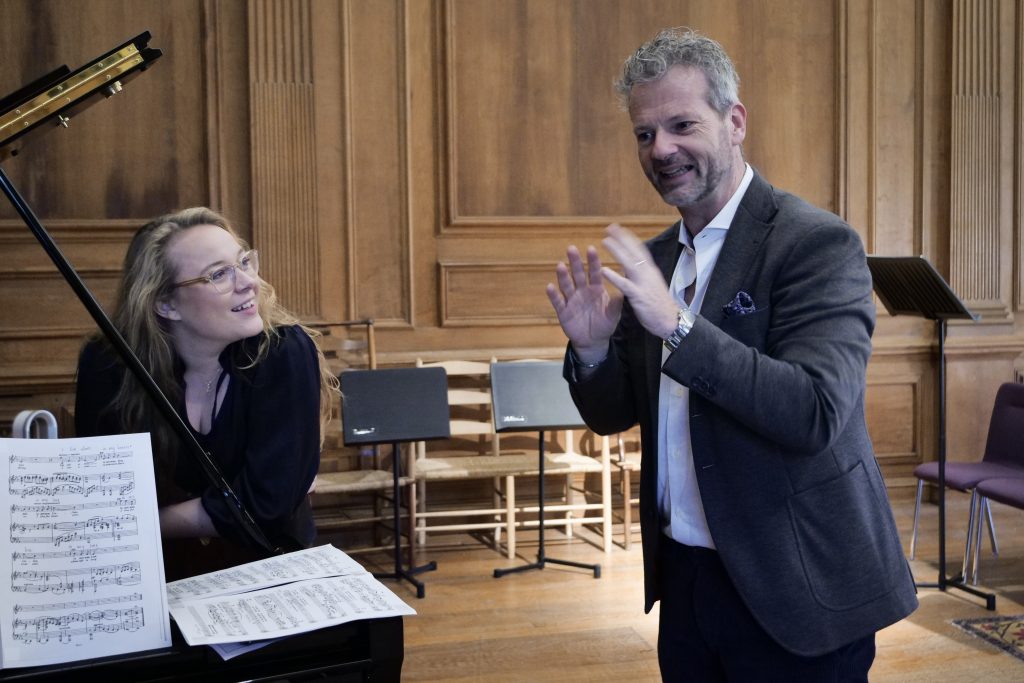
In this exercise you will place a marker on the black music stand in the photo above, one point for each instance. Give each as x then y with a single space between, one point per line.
395 406
527 397
909 285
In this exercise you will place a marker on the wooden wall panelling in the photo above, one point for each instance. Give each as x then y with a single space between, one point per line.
382 249
981 165
284 188
119 163
897 409
881 102
1019 165
228 121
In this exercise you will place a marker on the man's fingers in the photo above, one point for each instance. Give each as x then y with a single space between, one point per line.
594 266
579 273
564 279
619 282
555 297
626 247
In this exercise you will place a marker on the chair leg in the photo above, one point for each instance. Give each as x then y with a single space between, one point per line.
917 514
510 516
977 539
991 527
421 500
606 504
969 543
411 507
627 509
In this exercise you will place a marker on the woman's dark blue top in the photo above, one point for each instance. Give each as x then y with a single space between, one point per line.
265 438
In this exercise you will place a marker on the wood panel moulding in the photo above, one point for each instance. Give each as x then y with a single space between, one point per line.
284 188
495 294
980 224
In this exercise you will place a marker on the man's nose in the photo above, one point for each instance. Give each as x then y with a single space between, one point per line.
664 145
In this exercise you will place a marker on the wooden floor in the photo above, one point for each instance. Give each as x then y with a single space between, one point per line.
561 624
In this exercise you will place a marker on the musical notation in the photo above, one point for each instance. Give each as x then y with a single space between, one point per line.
53 509
59 533
71 460
66 627
73 554
78 604
66 483
63 581
80 550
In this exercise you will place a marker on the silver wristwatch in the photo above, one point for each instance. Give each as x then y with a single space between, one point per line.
685 323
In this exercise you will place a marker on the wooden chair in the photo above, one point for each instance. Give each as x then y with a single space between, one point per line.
627 462
577 468
349 472
476 452
473 453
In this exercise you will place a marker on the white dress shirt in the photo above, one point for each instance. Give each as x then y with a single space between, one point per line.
682 513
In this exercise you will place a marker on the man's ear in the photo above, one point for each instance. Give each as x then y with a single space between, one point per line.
165 309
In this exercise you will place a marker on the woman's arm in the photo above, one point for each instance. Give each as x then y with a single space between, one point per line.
186 520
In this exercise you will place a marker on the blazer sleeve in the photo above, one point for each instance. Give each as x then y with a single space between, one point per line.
605 395
809 341
282 451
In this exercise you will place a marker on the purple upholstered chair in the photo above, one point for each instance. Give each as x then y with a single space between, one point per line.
1005 490
1003 458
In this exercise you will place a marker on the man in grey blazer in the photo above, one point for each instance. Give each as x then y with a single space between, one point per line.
738 339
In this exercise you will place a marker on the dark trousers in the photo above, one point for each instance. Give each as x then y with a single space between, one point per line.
706 632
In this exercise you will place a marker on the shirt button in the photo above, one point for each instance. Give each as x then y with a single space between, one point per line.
677 390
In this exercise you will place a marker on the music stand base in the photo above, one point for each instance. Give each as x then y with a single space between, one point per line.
957 582
409 575
541 561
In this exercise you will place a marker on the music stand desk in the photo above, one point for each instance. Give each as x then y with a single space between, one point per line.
533 396
395 405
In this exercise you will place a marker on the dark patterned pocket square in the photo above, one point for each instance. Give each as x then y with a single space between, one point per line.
741 304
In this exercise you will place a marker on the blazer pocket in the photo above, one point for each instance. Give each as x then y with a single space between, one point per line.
840 529
751 329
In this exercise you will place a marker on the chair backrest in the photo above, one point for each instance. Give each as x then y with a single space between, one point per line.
469 397
34 424
1006 428
349 344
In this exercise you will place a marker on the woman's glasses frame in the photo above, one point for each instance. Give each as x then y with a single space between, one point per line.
223 278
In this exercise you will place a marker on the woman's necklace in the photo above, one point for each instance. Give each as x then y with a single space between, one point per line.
211 382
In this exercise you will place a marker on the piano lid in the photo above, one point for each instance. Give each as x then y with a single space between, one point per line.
54 98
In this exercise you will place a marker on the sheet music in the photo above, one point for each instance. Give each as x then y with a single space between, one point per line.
311 563
83 566
286 610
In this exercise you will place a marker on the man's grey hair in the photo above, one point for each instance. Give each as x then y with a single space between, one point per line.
682 47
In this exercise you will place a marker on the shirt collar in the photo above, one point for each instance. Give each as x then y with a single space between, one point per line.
723 219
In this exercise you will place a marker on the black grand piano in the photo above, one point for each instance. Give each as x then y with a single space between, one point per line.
365 650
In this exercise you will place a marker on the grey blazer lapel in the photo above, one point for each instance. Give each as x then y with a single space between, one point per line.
747 233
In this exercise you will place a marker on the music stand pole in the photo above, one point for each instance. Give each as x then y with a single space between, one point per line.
542 558
401 572
912 286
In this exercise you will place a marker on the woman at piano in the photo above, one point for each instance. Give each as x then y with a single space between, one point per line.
250 381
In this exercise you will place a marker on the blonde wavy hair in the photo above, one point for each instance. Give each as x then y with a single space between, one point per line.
148 277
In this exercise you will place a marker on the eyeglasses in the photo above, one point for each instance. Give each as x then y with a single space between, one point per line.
223 277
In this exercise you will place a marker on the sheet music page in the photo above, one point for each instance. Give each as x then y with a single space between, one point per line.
83 570
311 563
286 610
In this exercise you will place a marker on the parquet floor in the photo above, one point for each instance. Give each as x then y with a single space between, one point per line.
562 625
